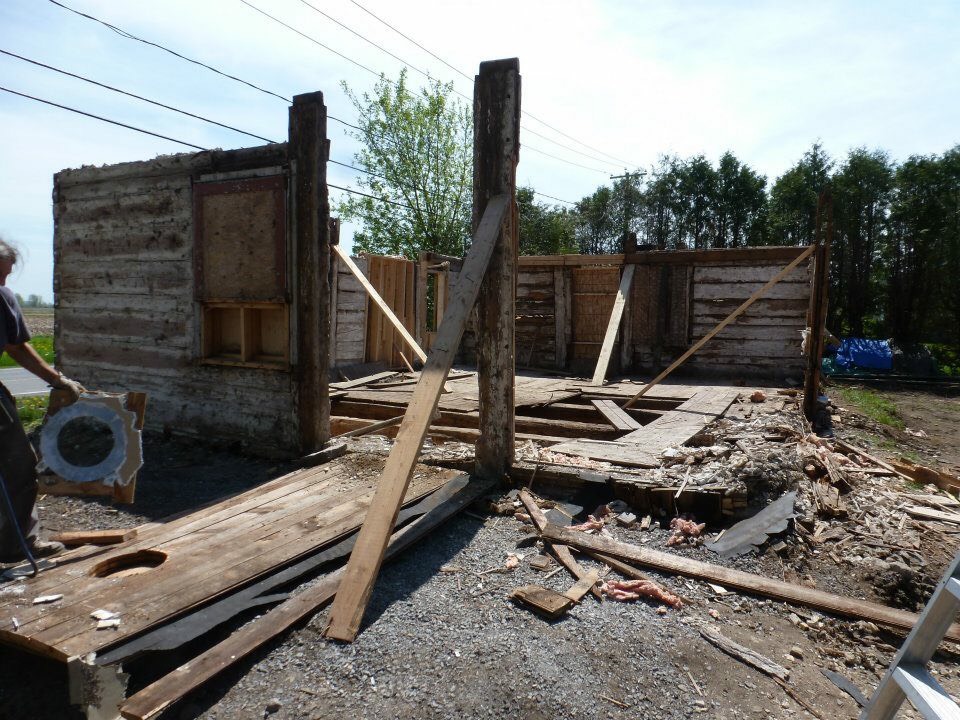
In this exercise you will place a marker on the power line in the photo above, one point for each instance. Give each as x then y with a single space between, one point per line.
568 202
569 162
106 120
130 36
463 74
133 95
411 66
407 37
372 197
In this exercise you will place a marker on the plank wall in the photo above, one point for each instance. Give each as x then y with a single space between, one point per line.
126 314
350 325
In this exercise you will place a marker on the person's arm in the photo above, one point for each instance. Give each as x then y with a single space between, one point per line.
28 358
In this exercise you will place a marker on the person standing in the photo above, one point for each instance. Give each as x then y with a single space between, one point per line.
18 460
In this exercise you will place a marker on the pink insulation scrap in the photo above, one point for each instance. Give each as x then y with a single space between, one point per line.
684 529
624 590
591 524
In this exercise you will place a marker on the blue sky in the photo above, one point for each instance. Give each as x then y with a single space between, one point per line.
631 79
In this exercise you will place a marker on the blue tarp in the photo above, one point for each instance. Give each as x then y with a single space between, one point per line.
865 354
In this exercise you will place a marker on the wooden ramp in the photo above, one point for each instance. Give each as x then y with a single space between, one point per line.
174 566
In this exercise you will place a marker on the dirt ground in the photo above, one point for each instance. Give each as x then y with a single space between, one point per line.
442 639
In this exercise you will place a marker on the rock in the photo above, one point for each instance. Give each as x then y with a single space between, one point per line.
626 519
797 652
618 506
272 706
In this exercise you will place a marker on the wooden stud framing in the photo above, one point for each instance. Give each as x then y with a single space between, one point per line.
367 556
308 149
496 151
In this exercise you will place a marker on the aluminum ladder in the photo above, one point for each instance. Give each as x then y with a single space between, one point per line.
907 676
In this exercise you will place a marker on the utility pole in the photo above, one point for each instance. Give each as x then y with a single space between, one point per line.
628 178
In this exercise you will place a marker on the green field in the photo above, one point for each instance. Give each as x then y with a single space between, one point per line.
872 404
43 344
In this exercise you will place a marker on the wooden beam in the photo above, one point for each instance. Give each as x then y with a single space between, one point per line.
496 151
723 323
560 551
367 556
561 316
817 314
613 325
739 580
380 303
615 415
308 149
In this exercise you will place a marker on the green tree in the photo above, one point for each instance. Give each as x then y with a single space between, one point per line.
793 199
740 205
417 153
597 228
862 192
544 229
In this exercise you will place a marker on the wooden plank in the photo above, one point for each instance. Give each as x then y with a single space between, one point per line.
739 580
156 697
561 317
365 380
817 315
379 301
615 415
72 538
613 325
745 654
496 151
367 557
730 318
307 150
560 551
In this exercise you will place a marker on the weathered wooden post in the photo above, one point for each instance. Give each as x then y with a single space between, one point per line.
308 149
817 314
496 151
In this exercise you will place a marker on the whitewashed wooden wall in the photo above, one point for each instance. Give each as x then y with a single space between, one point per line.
126 317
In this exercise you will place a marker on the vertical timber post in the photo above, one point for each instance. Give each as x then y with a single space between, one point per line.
817 314
496 151
307 150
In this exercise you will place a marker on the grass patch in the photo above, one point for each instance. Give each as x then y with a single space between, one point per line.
872 404
43 344
31 410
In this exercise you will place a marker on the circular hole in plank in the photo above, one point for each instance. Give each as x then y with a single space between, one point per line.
133 563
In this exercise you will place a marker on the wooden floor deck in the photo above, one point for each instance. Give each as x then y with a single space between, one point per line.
201 555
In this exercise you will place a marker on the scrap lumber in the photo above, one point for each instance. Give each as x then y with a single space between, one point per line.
615 415
613 325
380 303
365 380
931 514
73 538
723 323
583 586
562 552
744 654
543 601
382 424
367 557
156 697
747 582
875 460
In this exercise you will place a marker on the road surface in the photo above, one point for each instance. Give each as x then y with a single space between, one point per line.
22 383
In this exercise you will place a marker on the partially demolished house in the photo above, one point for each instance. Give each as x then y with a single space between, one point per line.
214 282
